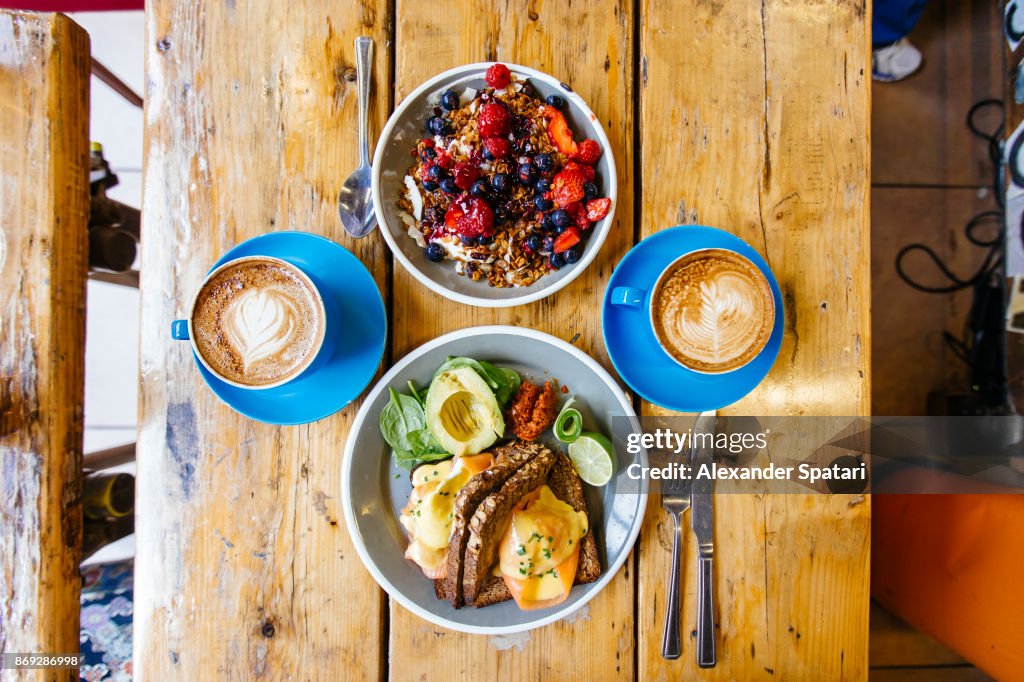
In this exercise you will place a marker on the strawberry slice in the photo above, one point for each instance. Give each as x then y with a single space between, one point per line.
470 217
567 187
559 131
567 240
588 152
598 208
588 171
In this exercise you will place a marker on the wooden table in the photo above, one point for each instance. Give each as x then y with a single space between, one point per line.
753 117
44 210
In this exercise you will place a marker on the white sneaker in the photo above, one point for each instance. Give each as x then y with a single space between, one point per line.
895 62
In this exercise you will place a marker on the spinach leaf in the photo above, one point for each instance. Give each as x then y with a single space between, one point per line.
403 425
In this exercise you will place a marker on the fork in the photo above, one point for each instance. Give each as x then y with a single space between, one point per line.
675 498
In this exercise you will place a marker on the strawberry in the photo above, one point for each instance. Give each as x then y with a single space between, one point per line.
567 187
566 240
498 76
580 218
559 131
588 171
588 152
470 217
498 147
494 120
597 209
465 174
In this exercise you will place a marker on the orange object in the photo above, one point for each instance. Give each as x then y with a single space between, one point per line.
953 567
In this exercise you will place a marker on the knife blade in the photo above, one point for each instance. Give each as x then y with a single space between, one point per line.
702 521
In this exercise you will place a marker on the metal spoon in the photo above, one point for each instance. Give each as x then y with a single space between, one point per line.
355 201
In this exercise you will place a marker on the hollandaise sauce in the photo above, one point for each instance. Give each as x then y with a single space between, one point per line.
541 548
427 517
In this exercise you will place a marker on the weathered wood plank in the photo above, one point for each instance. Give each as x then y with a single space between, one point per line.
588 45
755 119
244 568
44 208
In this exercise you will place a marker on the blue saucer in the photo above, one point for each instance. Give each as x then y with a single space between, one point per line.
636 353
329 387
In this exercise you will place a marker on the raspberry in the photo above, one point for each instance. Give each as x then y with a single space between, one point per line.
588 171
567 187
498 147
465 174
498 76
588 152
494 120
470 217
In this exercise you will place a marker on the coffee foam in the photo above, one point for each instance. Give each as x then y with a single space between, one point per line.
713 312
257 322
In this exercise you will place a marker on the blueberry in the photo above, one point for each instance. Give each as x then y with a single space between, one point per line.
434 252
572 254
533 242
554 101
548 243
479 188
525 173
434 214
556 260
561 218
428 153
528 89
542 186
484 239
429 186
544 162
437 125
500 216
436 173
589 191
487 155
449 100
501 183
448 186
559 229
542 204
547 223
468 241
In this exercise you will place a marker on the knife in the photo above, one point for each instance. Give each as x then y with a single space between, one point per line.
702 520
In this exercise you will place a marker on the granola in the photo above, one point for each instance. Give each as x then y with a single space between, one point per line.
500 187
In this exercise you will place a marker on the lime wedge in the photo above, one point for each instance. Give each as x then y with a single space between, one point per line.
593 457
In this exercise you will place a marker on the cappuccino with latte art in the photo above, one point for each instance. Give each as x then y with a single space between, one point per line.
713 311
258 322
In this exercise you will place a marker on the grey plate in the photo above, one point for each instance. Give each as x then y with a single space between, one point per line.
391 160
374 489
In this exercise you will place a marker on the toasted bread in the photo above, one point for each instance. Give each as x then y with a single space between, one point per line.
489 521
509 458
566 485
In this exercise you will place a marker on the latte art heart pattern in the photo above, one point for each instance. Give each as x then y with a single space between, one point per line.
727 318
260 324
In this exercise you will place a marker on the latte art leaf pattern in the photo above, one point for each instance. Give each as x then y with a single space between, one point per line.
260 324
726 316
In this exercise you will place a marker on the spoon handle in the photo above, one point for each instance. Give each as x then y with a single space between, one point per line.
364 57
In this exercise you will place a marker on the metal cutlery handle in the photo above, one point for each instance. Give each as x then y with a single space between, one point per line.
364 57
671 646
705 614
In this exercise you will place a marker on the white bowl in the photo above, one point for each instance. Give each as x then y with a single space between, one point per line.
391 161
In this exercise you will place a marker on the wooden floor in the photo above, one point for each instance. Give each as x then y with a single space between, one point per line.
929 176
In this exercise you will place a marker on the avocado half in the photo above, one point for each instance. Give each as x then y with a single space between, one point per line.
462 412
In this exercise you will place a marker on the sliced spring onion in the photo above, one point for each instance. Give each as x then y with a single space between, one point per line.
569 422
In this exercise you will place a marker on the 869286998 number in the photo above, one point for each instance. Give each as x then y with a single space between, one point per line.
25 661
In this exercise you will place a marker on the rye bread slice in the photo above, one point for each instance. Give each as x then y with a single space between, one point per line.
490 520
565 483
509 458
